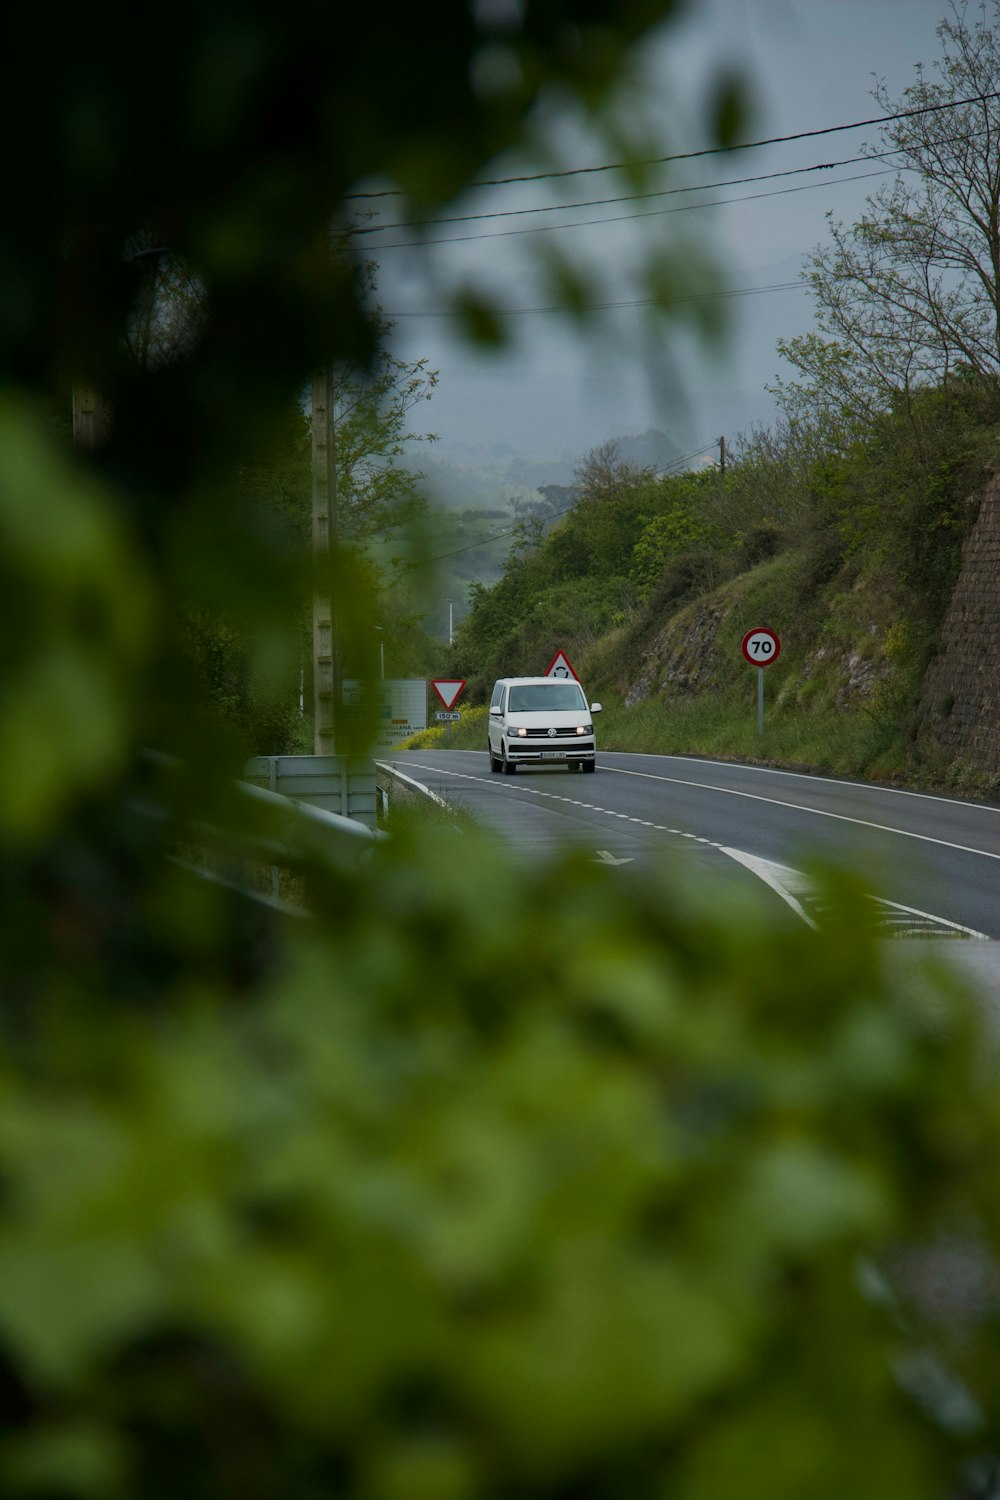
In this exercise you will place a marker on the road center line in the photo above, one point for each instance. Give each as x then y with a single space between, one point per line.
818 812
784 881
533 791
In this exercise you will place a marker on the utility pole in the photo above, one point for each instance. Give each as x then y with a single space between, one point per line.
722 456
327 678
90 424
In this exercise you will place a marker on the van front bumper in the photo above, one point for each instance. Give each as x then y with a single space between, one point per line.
525 754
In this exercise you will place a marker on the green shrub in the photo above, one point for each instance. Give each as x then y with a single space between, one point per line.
607 1220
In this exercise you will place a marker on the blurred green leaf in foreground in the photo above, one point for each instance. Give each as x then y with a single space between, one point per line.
498 1184
471 1184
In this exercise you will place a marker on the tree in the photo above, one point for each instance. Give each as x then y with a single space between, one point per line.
910 295
468 1182
372 406
683 522
377 495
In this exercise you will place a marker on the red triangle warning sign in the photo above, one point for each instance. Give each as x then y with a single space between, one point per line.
448 689
561 666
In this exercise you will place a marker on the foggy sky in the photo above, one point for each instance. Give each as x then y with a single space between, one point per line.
807 65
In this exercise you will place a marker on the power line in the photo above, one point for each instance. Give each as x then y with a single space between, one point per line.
510 312
666 468
493 537
652 213
657 161
703 187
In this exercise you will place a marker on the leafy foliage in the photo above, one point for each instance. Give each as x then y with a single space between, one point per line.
650 582
621 1218
568 586
909 295
348 1203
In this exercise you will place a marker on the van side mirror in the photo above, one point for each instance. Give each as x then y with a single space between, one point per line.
595 708
495 712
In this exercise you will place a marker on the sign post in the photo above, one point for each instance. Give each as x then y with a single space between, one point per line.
449 690
760 648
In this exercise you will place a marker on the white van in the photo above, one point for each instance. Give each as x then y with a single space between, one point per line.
534 720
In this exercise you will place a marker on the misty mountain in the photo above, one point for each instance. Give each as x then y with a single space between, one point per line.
461 476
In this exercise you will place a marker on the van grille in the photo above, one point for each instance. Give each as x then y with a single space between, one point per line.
543 734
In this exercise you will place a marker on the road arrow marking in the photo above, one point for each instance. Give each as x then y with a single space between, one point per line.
793 886
799 891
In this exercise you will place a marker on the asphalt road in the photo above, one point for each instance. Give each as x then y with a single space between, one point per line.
932 862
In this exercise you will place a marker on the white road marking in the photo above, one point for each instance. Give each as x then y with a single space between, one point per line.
605 857
781 878
816 812
790 884
897 791
785 881
534 791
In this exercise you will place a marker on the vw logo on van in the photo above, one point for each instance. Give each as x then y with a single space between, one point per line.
552 734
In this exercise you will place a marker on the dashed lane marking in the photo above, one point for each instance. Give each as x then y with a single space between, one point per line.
795 888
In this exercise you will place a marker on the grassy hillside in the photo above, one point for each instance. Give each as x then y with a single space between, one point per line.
832 699
850 552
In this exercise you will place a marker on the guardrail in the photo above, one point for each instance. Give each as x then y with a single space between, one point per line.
337 783
283 830
410 782
255 826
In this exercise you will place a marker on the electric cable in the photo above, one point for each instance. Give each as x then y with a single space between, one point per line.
722 293
656 161
650 213
548 208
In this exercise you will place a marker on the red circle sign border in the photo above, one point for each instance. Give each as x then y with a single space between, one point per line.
761 630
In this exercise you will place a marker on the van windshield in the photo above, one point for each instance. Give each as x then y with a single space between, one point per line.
546 697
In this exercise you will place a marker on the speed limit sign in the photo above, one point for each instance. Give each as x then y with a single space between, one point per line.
761 647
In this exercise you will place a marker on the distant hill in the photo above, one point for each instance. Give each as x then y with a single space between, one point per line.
649 449
463 477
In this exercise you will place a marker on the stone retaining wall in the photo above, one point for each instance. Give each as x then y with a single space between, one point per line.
960 700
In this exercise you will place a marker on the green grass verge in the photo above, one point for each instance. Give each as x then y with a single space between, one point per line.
841 742
723 723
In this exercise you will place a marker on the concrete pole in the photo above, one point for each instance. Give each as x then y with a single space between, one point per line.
90 423
327 685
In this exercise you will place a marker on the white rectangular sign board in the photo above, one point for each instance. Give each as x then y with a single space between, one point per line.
402 705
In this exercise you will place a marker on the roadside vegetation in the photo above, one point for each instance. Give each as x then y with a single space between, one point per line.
849 551
481 1181
841 527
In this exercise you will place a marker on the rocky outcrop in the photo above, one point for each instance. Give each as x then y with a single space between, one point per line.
681 660
860 675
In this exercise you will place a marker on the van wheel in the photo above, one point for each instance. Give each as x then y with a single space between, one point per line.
509 766
590 765
494 763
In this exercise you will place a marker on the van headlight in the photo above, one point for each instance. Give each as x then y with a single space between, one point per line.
585 729
517 733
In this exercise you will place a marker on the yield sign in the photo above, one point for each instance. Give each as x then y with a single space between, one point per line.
561 666
448 689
